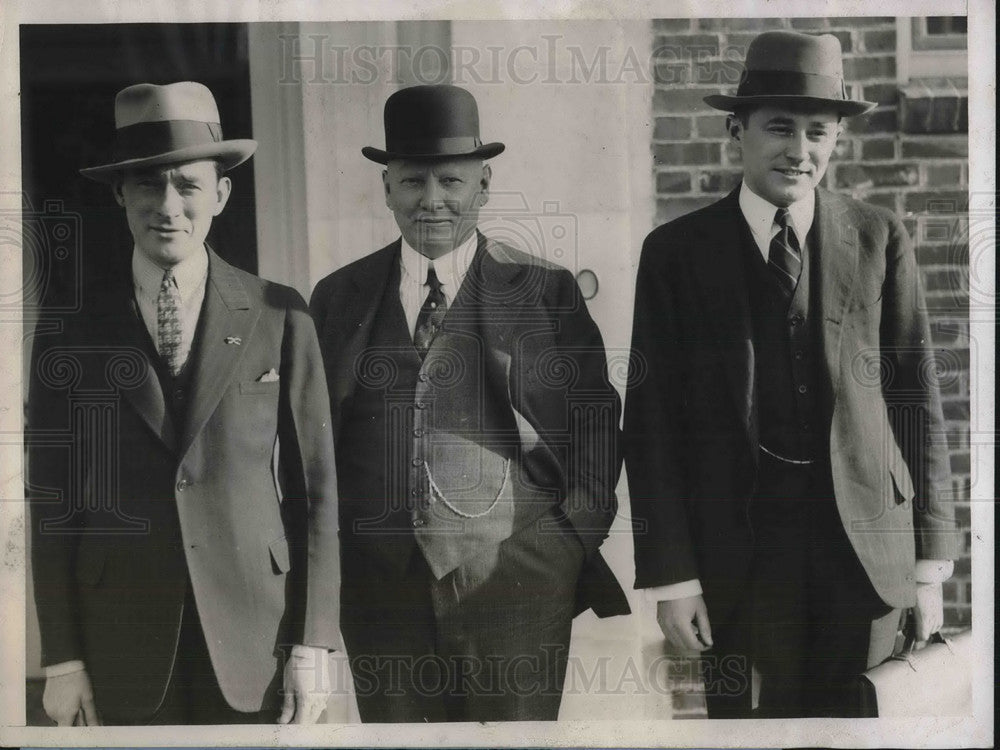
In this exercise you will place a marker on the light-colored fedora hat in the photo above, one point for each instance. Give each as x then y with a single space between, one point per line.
431 122
168 124
785 67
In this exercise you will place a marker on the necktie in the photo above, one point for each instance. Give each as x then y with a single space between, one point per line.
431 314
784 257
168 322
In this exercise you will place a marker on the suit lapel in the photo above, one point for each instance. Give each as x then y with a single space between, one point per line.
227 313
124 324
353 328
719 270
834 251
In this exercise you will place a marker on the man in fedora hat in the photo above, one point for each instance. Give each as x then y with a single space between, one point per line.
184 547
476 440
784 448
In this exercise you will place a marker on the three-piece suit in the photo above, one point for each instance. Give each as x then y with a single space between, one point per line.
153 494
845 373
476 485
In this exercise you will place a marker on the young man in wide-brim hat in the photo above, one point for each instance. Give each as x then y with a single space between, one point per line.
476 481
788 499
190 566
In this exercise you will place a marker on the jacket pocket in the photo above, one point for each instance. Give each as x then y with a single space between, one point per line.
256 387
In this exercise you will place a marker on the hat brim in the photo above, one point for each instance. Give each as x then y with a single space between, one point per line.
844 107
486 151
228 153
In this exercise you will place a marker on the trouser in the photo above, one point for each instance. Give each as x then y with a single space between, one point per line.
193 695
809 621
487 642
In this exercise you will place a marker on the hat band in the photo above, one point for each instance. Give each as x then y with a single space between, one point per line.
456 145
146 139
791 83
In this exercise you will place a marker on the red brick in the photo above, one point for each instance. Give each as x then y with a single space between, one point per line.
880 41
716 72
951 591
711 126
844 37
673 101
672 129
935 113
879 120
741 24
945 175
878 148
944 254
882 93
963 515
958 616
673 182
684 46
859 68
717 181
944 147
844 150
672 154
886 200
672 24
672 73
938 202
881 175
960 463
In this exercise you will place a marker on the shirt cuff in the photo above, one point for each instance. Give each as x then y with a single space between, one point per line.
64 668
934 571
308 652
673 591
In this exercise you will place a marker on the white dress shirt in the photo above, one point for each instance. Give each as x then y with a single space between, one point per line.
190 276
450 268
759 214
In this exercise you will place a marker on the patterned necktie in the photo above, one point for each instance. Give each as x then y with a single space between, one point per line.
784 257
431 314
168 323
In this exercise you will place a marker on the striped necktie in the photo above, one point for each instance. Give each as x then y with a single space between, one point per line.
431 314
168 323
784 257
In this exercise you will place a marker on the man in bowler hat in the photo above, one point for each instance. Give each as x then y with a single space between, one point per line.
784 449
184 545
476 437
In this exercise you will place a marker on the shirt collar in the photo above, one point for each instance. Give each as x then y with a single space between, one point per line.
759 214
189 274
450 268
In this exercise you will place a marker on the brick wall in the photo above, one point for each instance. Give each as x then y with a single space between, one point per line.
910 154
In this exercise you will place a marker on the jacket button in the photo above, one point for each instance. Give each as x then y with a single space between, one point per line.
416 462
802 389
799 355
796 319
421 405
423 377
418 522
183 485
418 432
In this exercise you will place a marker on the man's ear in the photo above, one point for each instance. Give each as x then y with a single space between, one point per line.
385 186
484 184
734 126
116 189
223 190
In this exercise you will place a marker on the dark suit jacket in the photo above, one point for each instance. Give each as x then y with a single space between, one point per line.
522 347
126 505
691 419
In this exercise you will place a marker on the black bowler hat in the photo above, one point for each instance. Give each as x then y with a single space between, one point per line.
168 124
431 122
785 67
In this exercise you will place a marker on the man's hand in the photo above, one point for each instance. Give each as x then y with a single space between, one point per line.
929 610
307 685
684 622
69 699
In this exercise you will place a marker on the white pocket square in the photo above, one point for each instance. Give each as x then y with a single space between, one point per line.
271 376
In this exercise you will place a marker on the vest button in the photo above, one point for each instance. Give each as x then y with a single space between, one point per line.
418 522
795 319
421 405
802 389
416 462
418 432
799 354
423 377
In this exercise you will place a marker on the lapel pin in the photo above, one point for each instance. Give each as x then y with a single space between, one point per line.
234 340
